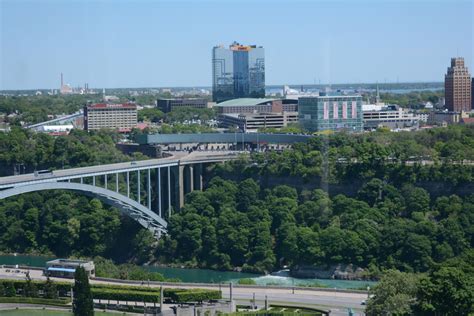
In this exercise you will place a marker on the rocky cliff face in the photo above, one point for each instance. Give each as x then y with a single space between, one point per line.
339 271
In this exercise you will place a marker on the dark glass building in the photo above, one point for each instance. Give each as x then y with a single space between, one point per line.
168 105
238 72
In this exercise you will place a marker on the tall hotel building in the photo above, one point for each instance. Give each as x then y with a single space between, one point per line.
457 87
331 112
238 72
116 116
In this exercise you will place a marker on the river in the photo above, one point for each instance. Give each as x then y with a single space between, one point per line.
208 276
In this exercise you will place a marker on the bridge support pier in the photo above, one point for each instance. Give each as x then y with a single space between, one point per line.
197 175
190 178
158 189
180 186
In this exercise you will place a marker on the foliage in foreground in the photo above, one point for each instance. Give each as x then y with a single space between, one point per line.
447 291
82 304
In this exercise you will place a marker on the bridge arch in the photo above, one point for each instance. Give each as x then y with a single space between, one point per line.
129 207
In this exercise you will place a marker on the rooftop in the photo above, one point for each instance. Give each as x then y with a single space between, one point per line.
324 95
245 102
71 261
112 106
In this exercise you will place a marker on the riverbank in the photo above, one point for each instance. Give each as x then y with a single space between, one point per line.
211 276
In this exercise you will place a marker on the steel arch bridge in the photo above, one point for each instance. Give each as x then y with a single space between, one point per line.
147 191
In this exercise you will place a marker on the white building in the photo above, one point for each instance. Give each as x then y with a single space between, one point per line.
390 116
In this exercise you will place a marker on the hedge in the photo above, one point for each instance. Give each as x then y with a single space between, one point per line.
124 295
129 293
196 295
63 287
126 287
35 300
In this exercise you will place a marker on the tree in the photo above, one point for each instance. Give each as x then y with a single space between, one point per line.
448 291
142 245
393 295
50 289
9 289
248 194
29 289
417 199
82 304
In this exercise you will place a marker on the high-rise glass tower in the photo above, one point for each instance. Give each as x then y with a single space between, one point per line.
238 72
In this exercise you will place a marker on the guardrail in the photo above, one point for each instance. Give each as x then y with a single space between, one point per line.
222 285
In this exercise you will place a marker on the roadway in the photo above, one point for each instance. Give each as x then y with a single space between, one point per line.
337 301
181 157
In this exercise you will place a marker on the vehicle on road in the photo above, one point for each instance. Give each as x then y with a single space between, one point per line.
46 172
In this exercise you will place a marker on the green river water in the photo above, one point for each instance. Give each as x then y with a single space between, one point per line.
208 276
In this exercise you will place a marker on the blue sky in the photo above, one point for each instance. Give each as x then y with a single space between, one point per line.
168 43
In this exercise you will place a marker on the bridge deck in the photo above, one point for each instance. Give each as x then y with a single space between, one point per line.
74 173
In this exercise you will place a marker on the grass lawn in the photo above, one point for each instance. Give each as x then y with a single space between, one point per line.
37 312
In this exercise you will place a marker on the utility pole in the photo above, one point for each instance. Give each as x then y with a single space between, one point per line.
161 299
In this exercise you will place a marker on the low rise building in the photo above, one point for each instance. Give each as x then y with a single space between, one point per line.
256 105
115 116
168 105
65 268
467 120
390 116
446 118
251 122
56 128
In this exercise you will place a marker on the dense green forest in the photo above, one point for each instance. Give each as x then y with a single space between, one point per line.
414 99
440 154
65 224
238 224
390 221
35 109
42 151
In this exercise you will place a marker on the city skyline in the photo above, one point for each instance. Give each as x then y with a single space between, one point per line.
127 45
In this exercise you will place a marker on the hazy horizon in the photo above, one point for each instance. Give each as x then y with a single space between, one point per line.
124 44
294 85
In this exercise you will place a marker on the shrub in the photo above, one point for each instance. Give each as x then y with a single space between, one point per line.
125 295
126 287
197 295
247 281
50 289
35 300
9 289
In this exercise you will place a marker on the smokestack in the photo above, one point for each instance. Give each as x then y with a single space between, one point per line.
62 83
